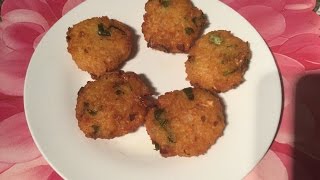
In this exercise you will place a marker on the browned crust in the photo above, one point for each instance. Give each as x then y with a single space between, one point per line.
173 28
191 127
218 68
96 53
112 106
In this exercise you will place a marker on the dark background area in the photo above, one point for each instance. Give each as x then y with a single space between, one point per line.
1 1
307 119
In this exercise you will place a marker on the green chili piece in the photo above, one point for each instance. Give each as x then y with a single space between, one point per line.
195 20
158 114
87 108
189 93
95 129
118 89
171 138
189 30
215 39
165 3
199 21
119 92
92 112
102 31
156 146
228 72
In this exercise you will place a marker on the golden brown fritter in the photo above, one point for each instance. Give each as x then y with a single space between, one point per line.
186 122
99 44
172 25
112 106
218 61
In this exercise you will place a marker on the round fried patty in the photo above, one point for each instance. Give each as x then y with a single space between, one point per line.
172 25
99 44
112 106
218 61
186 122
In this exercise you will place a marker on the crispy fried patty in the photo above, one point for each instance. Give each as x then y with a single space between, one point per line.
172 25
218 61
112 106
186 122
99 44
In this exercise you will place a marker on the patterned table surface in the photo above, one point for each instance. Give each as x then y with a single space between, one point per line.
291 29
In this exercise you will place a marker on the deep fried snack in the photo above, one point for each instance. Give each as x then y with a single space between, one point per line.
186 122
218 61
99 44
172 25
112 106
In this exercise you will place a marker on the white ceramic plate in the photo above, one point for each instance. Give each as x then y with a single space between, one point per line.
53 80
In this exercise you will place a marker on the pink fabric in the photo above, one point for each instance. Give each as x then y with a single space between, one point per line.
292 31
289 27
19 157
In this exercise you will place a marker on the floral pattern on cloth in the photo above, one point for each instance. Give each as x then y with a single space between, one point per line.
24 23
290 28
292 31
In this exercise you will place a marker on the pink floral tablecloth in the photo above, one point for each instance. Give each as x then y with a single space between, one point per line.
291 28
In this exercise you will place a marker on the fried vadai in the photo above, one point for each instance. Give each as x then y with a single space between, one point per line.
172 25
99 44
218 61
112 105
186 122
